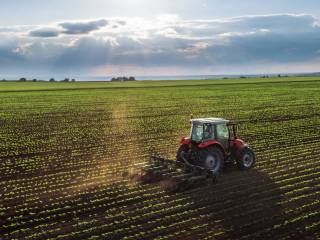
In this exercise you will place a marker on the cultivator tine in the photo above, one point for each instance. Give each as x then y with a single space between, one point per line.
171 164
164 169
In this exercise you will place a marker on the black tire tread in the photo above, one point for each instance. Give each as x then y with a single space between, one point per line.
239 161
213 149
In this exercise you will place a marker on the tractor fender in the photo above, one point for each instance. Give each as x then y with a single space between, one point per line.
237 143
185 141
240 149
212 143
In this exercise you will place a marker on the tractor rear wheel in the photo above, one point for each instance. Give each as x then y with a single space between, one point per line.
212 159
247 159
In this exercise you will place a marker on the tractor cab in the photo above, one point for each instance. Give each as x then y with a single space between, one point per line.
209 129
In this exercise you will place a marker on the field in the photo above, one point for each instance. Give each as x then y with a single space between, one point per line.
68 151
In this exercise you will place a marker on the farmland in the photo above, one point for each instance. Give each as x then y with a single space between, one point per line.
68 151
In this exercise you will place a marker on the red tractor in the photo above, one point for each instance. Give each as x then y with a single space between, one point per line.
212 143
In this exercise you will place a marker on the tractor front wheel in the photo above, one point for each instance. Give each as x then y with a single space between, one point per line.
212 159
246 159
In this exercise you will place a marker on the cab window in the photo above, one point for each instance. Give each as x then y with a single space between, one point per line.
197 133
208 132
222 131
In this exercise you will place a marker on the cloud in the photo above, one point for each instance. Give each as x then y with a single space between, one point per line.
82 27
45 32
85 52
14 29
284 23
69 28
166 42
9 56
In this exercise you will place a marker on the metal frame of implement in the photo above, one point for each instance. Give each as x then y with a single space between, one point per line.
186 166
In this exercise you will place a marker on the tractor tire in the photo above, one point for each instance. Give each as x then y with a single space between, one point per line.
246 159
212 159
182 148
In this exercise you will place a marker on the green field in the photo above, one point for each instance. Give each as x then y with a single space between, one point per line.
68 151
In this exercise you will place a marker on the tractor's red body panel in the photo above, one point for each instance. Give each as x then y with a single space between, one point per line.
236 143
212 143
185 140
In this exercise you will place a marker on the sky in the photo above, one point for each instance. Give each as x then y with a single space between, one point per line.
158 37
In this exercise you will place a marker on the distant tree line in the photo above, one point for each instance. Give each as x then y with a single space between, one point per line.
23 79
64 80
26 80
123 79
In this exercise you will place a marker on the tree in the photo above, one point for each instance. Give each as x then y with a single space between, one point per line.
73 80
34 80
22 79
52 80
122 79
66 80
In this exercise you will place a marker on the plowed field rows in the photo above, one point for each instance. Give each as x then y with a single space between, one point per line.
68 152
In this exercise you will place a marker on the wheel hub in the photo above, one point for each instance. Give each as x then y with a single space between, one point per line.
247 160
211 162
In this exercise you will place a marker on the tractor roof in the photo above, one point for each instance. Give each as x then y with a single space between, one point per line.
209 120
